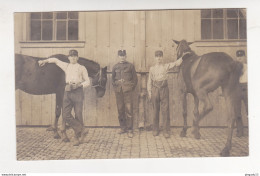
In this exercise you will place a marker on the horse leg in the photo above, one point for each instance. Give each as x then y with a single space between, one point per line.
202 96
63 131
195 130
239 122
184 114
233 103
63 125
59 98
230 102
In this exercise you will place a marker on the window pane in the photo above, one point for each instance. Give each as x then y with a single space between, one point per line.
206 29
35 30
47 15
61 30
218 13
242 29
47 30
62 15
36 15
205 13
218 31
73 15
232 29
232 13
242 13
73 30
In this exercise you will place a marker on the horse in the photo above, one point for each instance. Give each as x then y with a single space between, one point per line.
50 79
204 74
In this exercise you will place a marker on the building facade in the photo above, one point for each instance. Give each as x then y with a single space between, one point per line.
97 35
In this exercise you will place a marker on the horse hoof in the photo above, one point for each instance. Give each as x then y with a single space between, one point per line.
65 140
50 129
56 136
183 134
196 134
225 152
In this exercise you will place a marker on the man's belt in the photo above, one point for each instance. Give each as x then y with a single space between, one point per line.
70 87
121 80
160 84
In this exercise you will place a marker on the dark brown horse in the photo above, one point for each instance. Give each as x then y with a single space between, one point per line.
50 79
204 74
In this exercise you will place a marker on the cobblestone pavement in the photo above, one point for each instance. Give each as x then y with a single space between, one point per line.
105 143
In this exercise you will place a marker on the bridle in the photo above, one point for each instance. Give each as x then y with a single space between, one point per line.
99 84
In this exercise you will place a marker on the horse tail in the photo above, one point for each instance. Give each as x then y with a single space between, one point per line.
236 72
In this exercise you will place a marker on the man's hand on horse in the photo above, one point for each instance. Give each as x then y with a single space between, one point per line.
178 62
41 63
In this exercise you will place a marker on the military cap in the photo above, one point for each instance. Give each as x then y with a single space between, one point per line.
240 53
158 53
73 53
121 52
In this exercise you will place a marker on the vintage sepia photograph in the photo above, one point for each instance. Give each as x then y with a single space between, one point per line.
130 84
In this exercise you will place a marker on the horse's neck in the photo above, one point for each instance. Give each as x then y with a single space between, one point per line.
189 56
92 67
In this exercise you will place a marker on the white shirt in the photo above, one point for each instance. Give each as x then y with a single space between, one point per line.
243 77
159 72
75 73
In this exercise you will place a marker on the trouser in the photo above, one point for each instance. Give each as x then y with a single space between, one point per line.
74 99
243 97
124 102
160 100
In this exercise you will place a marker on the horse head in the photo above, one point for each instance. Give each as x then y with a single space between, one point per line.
182 48
99 81
98 75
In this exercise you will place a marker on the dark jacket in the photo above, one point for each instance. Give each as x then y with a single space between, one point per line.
124 76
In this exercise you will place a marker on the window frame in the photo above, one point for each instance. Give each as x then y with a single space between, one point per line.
225 26
54 27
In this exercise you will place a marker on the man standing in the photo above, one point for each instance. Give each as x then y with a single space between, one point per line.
158 92
124 80
76 79
241 57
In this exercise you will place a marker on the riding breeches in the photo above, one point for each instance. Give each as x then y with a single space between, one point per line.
243 97
124 102
74 99
160 101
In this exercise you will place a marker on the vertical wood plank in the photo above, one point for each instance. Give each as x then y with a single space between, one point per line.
26 108
153 28
178 25
18 108
188 31
116 28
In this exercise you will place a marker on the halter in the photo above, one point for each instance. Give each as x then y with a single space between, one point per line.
99 79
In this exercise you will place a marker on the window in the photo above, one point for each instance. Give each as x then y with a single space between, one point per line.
54 26
223 24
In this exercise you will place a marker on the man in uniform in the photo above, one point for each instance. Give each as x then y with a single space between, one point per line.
124 80
241 57
158 92
76 79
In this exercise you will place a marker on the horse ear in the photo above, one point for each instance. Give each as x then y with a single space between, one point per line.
175 41
189 43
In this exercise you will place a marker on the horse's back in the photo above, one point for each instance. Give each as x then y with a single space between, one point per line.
213 70
33 79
